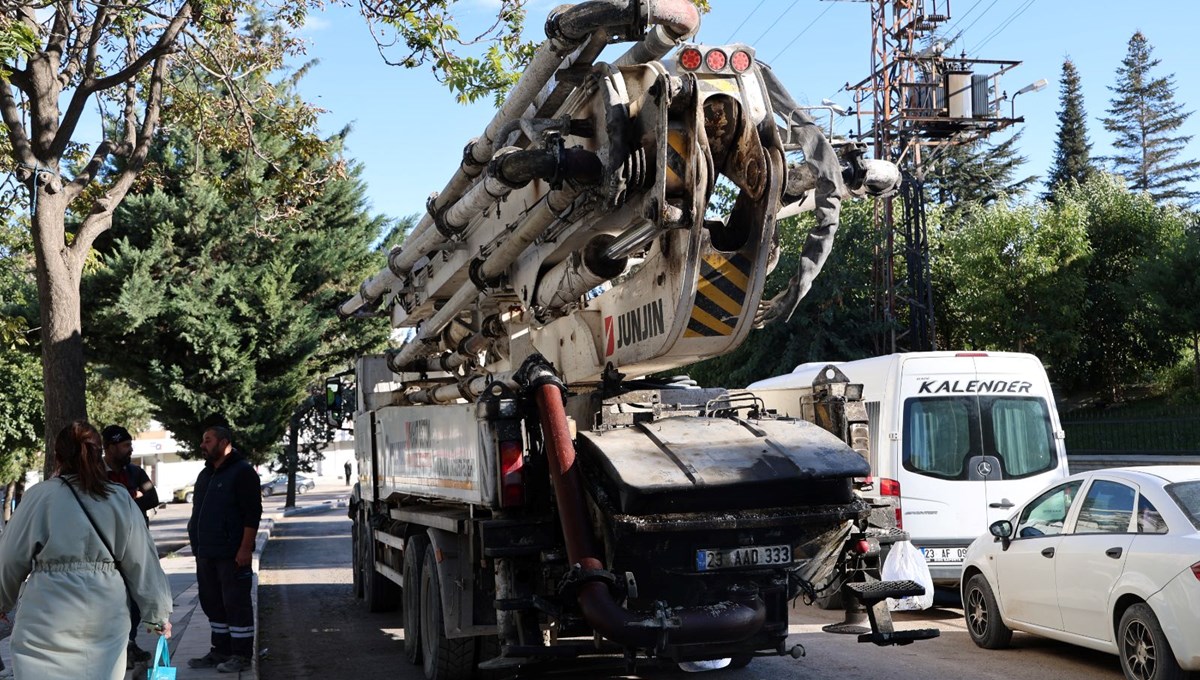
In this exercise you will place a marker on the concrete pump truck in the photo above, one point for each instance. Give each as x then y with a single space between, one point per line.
526 492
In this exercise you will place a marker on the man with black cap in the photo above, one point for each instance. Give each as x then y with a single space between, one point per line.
118 456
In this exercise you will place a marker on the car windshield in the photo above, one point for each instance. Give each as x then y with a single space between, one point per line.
941 434
1187 495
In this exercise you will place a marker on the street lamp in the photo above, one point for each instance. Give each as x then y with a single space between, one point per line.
1032 87
841 111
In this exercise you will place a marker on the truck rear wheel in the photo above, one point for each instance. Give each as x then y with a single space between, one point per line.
356 557
414 558
380 592
443 658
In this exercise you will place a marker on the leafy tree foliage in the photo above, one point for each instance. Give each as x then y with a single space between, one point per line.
1018 279
1146 119
20 370
1072 150
979 173
60 59
219 291
114 400
1171 278
1122 342
833 322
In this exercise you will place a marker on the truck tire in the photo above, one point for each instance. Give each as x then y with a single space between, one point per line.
442 658
356 557
381 594
414 559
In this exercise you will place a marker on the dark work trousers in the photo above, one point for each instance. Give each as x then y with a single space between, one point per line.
135 617
225 599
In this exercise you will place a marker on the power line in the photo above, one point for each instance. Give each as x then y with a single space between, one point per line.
774 23
976 20
802 32
739 26
977 5
1000 29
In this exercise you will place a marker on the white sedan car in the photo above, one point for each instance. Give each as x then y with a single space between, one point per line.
1108 560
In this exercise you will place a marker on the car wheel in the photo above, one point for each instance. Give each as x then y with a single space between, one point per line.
983 616
1145 652
187 497
299 491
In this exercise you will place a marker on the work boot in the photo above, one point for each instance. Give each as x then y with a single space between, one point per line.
235 664
210 660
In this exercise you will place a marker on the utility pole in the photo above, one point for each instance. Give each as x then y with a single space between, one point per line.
916 102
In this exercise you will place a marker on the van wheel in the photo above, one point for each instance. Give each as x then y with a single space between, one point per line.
380 592
442 658
1145 652
983 616
414 557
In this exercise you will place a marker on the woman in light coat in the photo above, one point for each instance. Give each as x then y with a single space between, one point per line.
73 616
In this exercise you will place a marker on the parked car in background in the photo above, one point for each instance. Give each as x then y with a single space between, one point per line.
1108 560
184 494
278 485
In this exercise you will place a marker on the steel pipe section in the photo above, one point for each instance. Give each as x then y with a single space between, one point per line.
724 622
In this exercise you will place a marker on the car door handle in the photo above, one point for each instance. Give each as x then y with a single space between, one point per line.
1004 504
1114 553
1048 552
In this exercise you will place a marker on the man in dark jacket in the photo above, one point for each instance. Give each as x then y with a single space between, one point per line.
226 509
118 456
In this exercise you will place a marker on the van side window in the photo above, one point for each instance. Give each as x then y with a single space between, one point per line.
938 433
1021 435
1107 509
1047 514
1149 521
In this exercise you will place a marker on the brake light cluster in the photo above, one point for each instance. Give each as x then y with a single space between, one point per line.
512 477
1196 570
890 488
715 60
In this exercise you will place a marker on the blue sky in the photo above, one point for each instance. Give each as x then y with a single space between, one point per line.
409 131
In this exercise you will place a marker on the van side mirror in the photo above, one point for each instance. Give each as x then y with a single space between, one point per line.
1003 531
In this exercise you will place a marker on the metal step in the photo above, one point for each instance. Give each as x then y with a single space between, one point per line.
877 591
900 637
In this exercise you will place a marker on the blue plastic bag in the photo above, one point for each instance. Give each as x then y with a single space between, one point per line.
161 670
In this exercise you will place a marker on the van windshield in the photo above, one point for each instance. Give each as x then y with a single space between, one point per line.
941 434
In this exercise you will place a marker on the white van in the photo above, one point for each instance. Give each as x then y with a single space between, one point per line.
957 439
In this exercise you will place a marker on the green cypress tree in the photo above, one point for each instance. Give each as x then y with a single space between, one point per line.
975 174
1072 151
219 292
1146 119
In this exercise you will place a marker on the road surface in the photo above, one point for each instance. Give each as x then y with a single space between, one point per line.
312 628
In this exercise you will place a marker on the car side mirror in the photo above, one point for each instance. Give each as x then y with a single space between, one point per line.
1003 531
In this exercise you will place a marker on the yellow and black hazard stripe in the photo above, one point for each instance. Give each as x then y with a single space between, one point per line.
676 160
720 295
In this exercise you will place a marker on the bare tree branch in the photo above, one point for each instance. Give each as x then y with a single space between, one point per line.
89 85
11 113
101 217
85 176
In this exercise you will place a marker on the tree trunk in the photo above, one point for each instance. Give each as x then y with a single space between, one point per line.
58 275
8 501
1196 360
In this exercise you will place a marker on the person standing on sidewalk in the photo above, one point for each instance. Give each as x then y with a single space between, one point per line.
226 509
118 458
347 473
81 543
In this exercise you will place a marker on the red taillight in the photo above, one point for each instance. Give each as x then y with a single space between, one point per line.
741 61
690 58
971 354
512 478
716 60
891 488
1196 570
